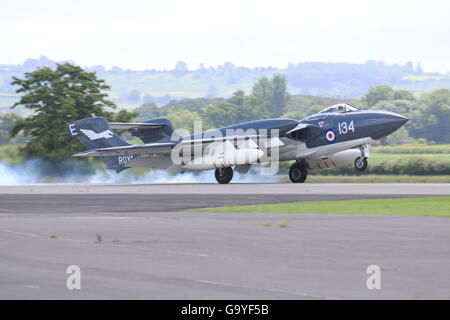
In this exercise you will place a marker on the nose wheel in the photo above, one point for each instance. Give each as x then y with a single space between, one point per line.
361 163
298 172
224 175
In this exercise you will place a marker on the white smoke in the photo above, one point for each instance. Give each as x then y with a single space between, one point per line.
36 171
10 175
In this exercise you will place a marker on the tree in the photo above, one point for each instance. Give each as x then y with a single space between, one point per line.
7 121
236 109
261 92
404 95
183 119
219 115
279 97
398 137
149 111
378 93
433 117
56 97
270 95
294 114
244 110
403 107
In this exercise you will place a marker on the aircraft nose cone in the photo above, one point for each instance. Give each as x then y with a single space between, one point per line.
399 119
395 121
387 123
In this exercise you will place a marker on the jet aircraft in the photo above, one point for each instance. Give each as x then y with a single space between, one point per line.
336 136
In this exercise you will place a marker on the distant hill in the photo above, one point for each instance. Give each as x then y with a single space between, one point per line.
131 88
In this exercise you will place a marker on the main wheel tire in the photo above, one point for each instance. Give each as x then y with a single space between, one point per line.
224 175
298 173
361 164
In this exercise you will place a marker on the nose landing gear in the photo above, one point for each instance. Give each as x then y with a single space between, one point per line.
298 172
361 162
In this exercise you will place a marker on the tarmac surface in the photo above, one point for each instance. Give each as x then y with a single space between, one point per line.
132 242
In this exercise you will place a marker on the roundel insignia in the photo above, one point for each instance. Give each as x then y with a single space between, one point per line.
330 135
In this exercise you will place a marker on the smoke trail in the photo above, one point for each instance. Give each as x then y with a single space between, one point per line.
38 171
160 176
9 175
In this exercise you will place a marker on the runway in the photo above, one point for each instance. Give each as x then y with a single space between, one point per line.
151 250
234 188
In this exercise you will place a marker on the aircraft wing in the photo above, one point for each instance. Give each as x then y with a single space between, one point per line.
149 148
255 140
243 141
249 141
135 125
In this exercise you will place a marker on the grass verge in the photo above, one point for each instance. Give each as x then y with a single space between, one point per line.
433 206
377 178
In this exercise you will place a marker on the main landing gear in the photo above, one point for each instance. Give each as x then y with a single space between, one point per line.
298 172
224 175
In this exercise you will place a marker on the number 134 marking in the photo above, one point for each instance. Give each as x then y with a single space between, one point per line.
343 128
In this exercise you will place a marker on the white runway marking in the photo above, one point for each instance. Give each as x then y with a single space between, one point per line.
295 293
170 252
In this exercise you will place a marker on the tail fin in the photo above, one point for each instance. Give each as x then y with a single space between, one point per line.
95 133
161 132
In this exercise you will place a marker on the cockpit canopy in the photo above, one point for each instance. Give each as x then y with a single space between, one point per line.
341 108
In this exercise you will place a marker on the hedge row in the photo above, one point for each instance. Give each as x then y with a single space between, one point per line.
411 166
412 148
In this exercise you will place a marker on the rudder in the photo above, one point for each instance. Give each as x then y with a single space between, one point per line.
95 133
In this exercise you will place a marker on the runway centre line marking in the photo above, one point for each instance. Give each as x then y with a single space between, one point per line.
201 231
297 293
203 255
112 218
40 236
22 233
196 254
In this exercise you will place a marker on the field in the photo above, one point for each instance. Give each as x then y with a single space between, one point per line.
438 206
373 178
412 149
403 163
378 157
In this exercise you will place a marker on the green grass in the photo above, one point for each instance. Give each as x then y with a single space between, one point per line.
412 148
434 206
388 166
370 178
378 157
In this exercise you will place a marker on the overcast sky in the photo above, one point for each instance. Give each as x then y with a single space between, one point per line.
156 34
